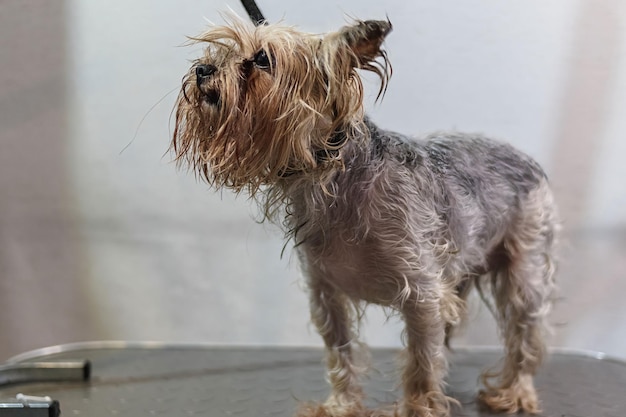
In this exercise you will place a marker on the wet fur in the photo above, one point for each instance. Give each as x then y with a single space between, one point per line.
377 217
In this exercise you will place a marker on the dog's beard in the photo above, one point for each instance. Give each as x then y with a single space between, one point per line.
253 136
234 142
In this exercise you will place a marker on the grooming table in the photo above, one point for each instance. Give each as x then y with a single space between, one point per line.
149 379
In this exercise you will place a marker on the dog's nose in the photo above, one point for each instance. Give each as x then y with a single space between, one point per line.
204 71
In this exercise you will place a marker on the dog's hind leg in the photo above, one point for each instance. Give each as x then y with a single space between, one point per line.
523 289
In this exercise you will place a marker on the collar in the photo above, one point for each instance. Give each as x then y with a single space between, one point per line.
334 143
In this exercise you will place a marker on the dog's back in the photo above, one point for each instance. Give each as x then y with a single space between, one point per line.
479 187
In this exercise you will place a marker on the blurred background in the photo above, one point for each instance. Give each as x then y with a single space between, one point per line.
102 238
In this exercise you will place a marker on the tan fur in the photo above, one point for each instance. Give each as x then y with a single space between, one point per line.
257 135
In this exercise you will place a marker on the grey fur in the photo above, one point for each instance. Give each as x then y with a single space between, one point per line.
411 224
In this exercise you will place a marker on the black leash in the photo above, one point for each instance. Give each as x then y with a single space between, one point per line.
254 12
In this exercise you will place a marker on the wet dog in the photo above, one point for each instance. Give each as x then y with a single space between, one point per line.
377 217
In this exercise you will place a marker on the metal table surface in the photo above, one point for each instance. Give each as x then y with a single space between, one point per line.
148 379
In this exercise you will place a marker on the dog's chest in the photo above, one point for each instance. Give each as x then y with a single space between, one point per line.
355 269
358 241
363 269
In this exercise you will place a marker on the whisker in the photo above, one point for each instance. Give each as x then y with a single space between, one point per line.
144 118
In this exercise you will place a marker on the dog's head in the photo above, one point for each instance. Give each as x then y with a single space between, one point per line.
268 102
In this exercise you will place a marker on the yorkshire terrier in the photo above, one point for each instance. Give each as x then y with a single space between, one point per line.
377 217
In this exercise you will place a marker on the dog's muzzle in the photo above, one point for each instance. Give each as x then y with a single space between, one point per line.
204 72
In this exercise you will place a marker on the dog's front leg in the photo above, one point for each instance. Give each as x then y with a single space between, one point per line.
331 313
426 363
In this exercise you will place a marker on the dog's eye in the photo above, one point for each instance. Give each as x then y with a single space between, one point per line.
262 60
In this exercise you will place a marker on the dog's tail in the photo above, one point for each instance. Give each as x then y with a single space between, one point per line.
254 12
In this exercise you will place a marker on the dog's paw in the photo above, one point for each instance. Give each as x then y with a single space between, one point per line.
431 404
330 409
519 396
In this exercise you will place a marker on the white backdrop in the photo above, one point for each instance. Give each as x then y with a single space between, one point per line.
165 258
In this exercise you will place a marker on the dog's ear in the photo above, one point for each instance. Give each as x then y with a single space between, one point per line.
360 46
340 54
365 39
